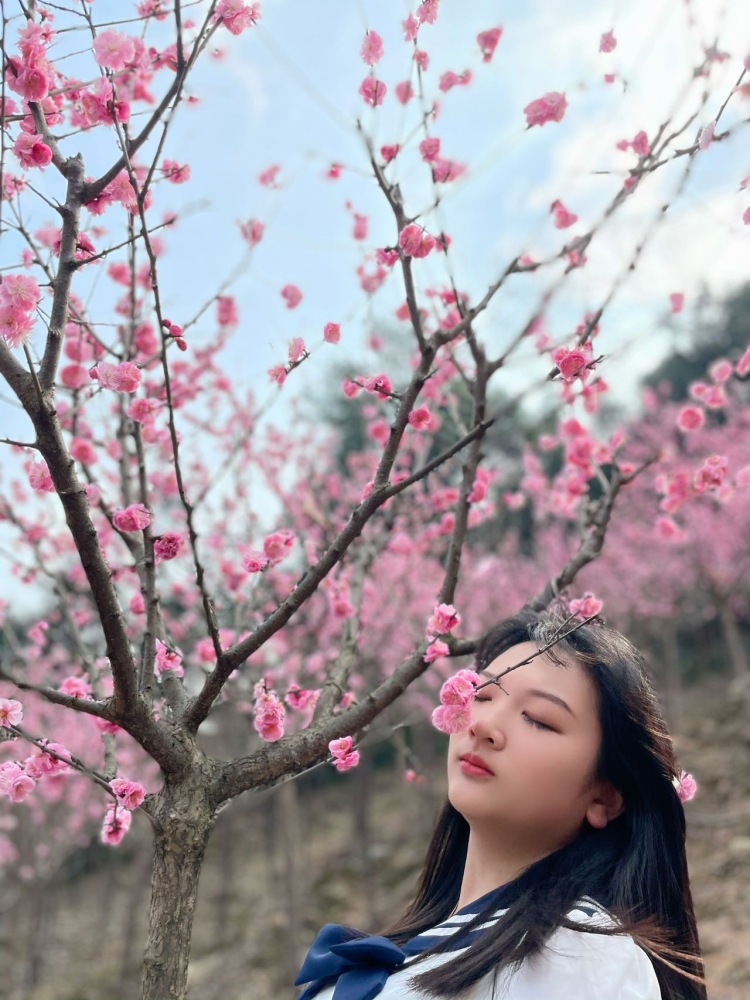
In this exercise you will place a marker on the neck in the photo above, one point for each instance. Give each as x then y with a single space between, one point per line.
491 862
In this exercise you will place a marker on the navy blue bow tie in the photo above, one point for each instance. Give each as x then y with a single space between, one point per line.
360 965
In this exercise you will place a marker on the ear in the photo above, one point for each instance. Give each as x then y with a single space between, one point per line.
605 805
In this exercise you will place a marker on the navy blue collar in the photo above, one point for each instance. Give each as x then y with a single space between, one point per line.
360 963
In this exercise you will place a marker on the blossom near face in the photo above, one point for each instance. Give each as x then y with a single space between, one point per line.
539 736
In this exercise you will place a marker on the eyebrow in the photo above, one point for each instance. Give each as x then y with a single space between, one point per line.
538 693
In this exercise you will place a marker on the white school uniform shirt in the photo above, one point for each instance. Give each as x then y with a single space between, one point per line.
573 965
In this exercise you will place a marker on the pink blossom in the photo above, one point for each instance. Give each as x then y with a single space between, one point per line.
42 763
332 333
746 216
277 545
561 217
113 49
379 384
706 135
31 150
420 418
269 717
676 301
40 479
255 561
742 478
15 325
168 660
11 712
720 370
444 618
168 545
414 241
435 649
487 41
429 148
175 173
427 11
640 144
236 15
291 295
691 418
587 606
608 42
124 377
686 786
359 231
411 27
296 350
20 291
550 108
116 824
451 718
669 530
711 474
135 517
76 687
252 231
404 93
743 365
372 48
388 152
571 364
268 177
344 756
422 59
142 409
83 451
278 374
459 689
372 90
15 782
130 793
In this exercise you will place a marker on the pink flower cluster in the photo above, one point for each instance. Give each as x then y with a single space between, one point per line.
415 241
269 713
344 757
135 517
586 606
454 712
550 108
168 660
561 217
487 41
19 297
129 793
686 786
276 547
235 15
123 377
18 779
572 363
168 545
443 620
116 824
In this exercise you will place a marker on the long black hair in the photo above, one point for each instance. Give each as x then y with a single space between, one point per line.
635 867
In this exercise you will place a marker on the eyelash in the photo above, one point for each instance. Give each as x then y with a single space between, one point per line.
531 721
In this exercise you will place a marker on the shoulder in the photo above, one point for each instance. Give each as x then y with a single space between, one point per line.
581 965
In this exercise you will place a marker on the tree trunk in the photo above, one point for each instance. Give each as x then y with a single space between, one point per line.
184 818
733 639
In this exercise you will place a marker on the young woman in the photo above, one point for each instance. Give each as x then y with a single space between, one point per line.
557 867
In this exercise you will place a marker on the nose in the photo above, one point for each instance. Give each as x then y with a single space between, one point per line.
486 728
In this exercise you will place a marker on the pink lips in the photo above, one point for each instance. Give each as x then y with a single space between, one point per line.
471 764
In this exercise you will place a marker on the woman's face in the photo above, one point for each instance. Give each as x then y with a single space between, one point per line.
539 738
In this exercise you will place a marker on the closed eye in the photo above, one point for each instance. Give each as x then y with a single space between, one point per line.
536 723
